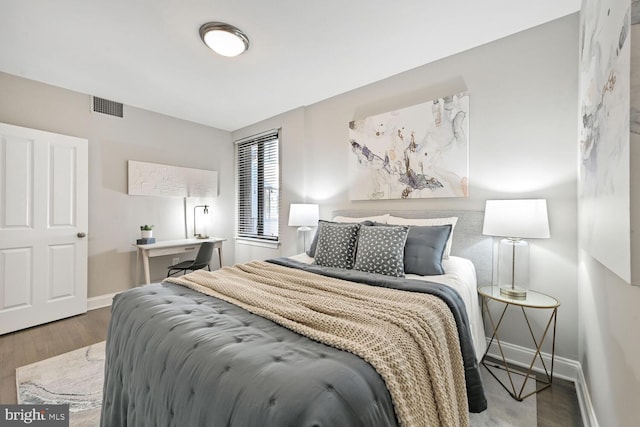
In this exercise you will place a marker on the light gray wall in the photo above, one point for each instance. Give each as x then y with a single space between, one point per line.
608 306
114 216
522 144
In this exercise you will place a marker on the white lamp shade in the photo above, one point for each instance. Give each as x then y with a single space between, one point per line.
518 219
303 215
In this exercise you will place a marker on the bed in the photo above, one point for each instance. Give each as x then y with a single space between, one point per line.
181 355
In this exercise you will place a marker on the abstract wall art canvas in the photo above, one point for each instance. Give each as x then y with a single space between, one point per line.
421 151
635 71
635 135
604 92
154 179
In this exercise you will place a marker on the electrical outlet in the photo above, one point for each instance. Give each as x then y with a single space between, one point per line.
175 260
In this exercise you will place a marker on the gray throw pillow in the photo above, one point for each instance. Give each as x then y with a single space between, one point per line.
424 249
336 245
381 250
314 242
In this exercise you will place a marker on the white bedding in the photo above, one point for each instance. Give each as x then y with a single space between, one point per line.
460 274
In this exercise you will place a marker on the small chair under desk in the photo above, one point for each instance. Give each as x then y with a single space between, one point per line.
171 247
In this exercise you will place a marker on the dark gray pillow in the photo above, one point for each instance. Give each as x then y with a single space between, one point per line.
381 250
424 249
314 243
336 245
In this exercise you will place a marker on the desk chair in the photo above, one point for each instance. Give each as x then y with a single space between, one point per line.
203 258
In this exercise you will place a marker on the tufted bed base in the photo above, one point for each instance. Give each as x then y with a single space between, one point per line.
179 357
200 361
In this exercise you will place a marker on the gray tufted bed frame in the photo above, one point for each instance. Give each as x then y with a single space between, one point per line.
177 357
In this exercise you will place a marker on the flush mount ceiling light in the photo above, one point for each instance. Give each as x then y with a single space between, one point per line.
224 39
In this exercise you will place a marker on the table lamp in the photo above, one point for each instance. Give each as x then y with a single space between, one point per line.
515 220
304 216
204 211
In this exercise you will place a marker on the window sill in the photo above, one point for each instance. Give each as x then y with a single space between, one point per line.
258 242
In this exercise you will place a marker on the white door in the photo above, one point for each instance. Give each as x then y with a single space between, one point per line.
43 226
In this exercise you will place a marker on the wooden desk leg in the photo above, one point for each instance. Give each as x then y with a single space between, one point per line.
220 255
145 264
136 277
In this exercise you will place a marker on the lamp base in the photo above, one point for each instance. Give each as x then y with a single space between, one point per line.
513 292
201 236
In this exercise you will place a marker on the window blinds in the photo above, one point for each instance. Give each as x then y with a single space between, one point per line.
258 162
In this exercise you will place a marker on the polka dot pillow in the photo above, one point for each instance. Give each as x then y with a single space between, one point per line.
336 246
381 250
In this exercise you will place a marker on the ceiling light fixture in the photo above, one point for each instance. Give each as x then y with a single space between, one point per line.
224 39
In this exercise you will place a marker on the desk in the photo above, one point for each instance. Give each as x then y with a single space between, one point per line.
171 247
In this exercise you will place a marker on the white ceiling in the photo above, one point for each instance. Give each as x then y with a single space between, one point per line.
148 54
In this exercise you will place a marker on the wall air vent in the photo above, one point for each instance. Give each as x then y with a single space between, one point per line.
104 106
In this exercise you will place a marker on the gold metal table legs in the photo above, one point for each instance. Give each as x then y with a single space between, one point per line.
515 392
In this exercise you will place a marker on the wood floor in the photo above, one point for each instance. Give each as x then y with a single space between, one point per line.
557 405
45 341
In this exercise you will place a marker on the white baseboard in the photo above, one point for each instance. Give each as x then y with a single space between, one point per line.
100 301
586 407
564 368
521 356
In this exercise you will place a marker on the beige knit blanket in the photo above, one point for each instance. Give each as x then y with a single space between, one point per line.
409 338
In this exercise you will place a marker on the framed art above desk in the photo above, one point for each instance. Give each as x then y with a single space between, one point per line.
171 247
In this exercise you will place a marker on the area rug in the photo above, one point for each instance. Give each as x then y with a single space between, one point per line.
76 378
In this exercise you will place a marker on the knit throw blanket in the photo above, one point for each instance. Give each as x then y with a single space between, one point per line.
409 338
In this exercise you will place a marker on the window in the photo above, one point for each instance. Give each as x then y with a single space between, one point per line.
258 162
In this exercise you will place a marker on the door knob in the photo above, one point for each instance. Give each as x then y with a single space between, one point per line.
81 235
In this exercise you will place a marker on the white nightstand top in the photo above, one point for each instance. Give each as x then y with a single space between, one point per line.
534 299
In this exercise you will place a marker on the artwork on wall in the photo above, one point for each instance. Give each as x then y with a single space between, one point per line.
604 134
153 179
635 126
635 69
421 151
